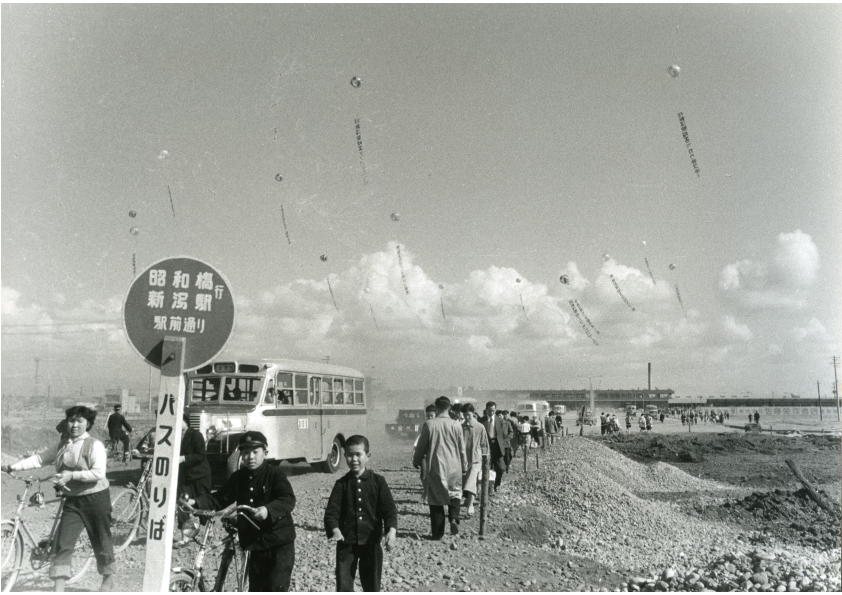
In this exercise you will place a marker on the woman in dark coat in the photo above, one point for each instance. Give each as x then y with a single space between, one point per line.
194 472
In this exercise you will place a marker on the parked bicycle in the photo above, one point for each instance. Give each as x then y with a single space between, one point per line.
193 579
16 536
130 506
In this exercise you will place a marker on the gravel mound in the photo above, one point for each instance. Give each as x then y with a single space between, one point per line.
594 494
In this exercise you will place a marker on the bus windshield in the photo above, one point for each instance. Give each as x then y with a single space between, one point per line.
226 390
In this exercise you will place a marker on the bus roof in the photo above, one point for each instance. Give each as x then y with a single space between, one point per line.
292 365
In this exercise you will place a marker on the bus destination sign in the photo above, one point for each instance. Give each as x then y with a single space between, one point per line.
179 297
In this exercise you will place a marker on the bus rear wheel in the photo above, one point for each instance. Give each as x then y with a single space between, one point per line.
334 457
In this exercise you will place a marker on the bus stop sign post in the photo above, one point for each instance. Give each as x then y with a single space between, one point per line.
178 315
164 486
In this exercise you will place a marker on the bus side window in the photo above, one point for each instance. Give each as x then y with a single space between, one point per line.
327 391
358 392
270 392
283 382
315 391
337 391
301 389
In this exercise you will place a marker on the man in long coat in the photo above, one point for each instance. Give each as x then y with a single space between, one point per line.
441 441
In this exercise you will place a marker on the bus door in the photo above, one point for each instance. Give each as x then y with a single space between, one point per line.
313 437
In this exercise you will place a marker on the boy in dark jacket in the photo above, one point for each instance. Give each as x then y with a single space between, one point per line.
262 492
359 506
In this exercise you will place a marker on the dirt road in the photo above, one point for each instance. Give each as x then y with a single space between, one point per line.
595 514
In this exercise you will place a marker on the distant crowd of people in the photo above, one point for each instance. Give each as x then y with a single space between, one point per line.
450 447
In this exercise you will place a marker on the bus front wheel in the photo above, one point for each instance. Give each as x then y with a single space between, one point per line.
334 457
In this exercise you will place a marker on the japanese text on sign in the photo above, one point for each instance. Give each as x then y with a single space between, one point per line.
199 302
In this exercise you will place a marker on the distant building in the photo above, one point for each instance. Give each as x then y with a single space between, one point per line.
122 397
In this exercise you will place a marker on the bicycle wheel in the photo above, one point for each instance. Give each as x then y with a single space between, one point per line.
183 581
12 552
236 572
125 518
83 557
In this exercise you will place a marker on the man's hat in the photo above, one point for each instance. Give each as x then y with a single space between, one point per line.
252 440
116 407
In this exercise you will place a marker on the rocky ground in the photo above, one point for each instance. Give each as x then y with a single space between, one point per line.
712 510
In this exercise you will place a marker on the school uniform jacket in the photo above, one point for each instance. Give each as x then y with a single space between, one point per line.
267 486
360 507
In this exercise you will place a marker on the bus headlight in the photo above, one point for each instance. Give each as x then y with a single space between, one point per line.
211 432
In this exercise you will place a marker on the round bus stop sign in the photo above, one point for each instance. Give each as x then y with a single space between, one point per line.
179 297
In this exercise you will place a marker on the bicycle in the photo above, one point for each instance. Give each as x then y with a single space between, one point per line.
114 451
130 507
193 579
16 535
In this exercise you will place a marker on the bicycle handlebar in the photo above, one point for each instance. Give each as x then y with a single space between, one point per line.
225 515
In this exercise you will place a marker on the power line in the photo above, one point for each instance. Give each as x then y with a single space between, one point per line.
111 321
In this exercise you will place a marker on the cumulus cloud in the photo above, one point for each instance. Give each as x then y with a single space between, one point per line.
775 281
733 330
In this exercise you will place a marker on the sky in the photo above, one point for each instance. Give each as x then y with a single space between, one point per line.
417 227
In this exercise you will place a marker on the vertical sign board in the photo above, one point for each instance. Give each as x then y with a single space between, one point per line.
178 315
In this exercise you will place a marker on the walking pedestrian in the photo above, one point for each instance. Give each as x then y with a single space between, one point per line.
263 492
476 445
550 429
511 449
80 461
443 444
430 413
116 424
359 508
498 438
194 472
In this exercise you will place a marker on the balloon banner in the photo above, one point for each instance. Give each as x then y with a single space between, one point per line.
578 305
370 307
523 307
686 136
617 287
331 294
172 206
680 301
284 219
360 147
442 308
650 271
582 322
134 264
403 275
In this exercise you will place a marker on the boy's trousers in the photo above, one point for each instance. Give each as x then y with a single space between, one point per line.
368 557
271 570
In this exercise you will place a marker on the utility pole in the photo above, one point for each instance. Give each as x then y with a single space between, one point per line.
835 361
150 389
37 378
818 390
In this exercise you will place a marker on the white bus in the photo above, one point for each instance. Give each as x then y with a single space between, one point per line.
541 409
306 410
